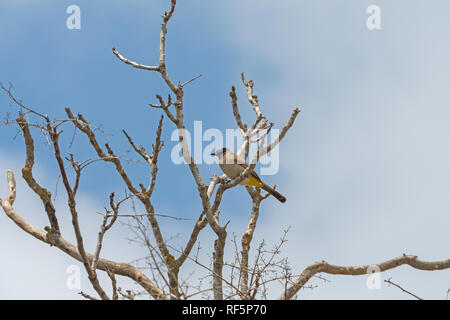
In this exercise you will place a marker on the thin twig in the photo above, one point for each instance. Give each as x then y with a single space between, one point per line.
404 290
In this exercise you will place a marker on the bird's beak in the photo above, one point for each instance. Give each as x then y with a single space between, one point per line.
213 154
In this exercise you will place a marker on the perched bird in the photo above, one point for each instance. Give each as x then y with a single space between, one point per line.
233 165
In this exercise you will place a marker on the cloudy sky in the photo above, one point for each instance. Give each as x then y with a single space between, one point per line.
365 169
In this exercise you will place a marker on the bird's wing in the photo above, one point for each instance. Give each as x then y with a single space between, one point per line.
241 162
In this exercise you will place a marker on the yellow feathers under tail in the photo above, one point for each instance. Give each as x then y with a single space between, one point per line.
252 182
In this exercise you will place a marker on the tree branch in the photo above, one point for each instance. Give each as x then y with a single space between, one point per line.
165 107
406 291
236 113
105 226
27 174
92 275
245 242
122 269
132 63
324 267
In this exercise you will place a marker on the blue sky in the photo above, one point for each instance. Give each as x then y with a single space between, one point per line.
365 168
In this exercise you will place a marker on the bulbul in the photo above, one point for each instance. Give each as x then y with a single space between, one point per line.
233 165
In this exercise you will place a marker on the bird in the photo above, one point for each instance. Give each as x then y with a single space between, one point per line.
233 165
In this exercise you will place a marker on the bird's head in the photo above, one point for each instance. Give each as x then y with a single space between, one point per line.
220 152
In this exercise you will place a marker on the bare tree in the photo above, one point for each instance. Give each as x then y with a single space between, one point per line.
243 280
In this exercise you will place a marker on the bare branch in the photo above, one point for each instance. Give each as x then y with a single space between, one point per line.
27 174
162 48
213 271
199 225
83 126
178 119
101 233
20 104
189 81
324 267
277 140
398 286
152 159
132 63
143 195
92 275
154 156
114 284
236 113
214 181
165 107
122 269
127 295
105 227
87 296
252 98
245 242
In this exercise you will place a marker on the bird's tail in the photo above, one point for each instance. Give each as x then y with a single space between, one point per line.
273 192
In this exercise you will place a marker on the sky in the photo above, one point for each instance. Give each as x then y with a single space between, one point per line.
365 169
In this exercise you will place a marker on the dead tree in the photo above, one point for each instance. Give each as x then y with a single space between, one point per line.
168 261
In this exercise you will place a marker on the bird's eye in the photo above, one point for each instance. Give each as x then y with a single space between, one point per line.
224 150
